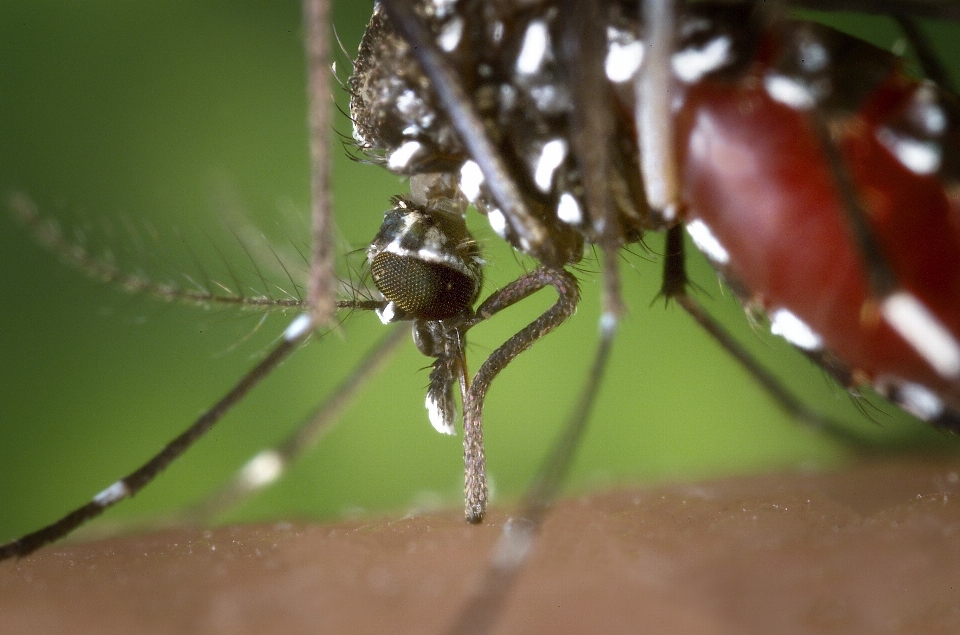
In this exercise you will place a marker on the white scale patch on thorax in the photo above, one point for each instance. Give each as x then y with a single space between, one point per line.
533 50
814 56
624 55
568 209
471 178
551 156
402 155
450 34
443 8
924 111
415 111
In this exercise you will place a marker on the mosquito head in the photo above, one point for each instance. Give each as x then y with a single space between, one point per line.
425 263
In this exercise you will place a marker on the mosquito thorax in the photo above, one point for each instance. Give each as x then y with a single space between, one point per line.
508 57
425 263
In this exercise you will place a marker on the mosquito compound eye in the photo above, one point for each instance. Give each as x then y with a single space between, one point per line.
424 289
425 262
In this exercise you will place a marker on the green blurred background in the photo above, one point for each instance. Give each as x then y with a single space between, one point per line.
156 130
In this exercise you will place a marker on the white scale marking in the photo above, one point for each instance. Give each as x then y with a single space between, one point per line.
706 242
428 253
788 91
410 218
359 137
920 401
498 29
450 34
263 469
387 313
926 112
301 324
608 323
437 419
408 103
413 108
533 51
691 64
791 328
923 330
920 157
402 155
498 222
813 56
623 60
568 210
434 239
552 155
471 178
933 118
548 99
116 492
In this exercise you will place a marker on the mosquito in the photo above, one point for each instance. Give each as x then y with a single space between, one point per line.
75 308
634 361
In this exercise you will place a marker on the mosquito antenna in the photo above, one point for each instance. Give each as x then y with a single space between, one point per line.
294 286
298 331
202 271
52 238
256 266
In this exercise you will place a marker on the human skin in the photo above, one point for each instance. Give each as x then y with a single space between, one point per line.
872 548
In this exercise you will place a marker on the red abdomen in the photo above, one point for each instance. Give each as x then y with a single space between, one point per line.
762 196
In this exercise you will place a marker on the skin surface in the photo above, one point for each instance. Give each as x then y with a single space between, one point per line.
868 549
